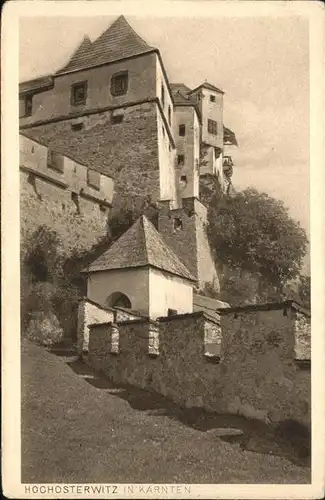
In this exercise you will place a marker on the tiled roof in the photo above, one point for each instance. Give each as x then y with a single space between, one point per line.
119 41
181 94
229 136
42 82
208 86
140 246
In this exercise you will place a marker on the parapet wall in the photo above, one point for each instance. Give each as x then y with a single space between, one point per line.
249 370
63 194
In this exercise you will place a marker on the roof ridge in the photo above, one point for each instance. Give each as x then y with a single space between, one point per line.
144 218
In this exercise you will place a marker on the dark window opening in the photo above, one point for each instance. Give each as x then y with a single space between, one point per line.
181 130
117 119
79 93
55 161
162 95
177 224
169 116
172 312
180 160
93 179
25 106
183 178
212 98
118 299
119 83
76 127
212 127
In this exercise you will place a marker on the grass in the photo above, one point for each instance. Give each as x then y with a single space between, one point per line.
77 427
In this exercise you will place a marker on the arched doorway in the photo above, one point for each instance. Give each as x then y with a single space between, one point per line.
118 299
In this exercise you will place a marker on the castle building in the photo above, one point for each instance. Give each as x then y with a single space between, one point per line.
112 108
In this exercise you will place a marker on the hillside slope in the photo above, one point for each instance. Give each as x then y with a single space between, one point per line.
79 428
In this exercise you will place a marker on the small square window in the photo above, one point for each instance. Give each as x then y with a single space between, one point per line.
180 160
79 93
117 119
93 179
55 161
25 106
177 224
119 83
183 178
212 98
76 127
181 130
212 127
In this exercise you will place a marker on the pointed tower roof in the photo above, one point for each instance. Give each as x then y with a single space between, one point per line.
208 86
140 246
119 41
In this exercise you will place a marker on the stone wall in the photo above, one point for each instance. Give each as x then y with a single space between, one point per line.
248 367
126 151
91 313
61 198
260 369
184 230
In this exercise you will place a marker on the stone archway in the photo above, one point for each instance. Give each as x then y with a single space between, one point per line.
118 299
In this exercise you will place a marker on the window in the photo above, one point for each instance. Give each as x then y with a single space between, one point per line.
117 119
169 116
212 127
162 95
93 179
184 178
76 127
180 160
181 130
119 83
177 224
55 161
25 106
118 299
212 98
172 312
79 93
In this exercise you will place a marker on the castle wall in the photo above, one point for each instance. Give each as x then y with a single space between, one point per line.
126 151
57 101
166 152
168 103
188 145
189 239
91 313
61 199
260 369
213 111
134 283
168 291
255 374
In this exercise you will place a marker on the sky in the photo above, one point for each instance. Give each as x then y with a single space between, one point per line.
262 65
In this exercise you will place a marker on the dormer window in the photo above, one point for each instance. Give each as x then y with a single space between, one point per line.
212 127
212 98
181 130
79 93
25 106
119 83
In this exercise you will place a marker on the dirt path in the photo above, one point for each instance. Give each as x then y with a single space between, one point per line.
79 428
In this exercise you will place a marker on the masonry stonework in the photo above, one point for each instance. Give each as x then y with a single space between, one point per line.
127 151
251 372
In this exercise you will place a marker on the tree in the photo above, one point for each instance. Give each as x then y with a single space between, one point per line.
254 232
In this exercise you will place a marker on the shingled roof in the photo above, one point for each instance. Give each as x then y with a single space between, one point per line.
208 86
119 41
140 246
